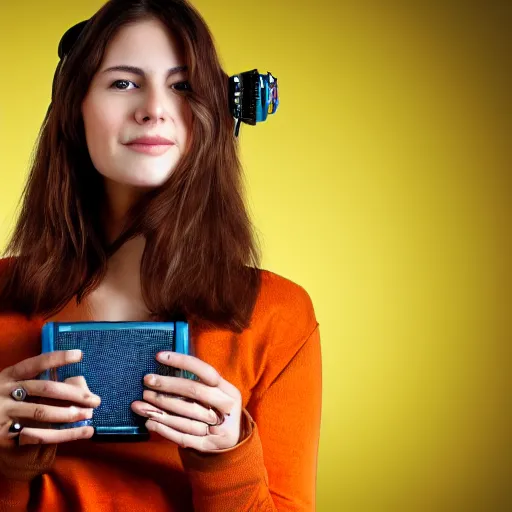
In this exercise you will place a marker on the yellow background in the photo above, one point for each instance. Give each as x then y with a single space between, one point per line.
382 187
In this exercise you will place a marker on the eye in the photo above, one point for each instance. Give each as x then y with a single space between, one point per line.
123 82
182 86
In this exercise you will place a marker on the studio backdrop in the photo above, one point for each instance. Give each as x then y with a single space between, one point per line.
381 186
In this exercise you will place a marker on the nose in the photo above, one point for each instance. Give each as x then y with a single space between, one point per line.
154 106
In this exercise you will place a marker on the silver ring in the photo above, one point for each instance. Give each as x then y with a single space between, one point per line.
19 394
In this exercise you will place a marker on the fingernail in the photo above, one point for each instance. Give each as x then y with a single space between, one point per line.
74 354
88 414
152 414
164 356
151 379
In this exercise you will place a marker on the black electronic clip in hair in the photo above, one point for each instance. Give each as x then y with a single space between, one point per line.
252 96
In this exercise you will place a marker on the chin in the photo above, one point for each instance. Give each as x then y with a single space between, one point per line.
145 180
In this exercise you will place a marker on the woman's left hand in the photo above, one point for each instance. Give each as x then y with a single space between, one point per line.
184 410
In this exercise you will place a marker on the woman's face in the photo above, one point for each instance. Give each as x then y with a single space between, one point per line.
143 101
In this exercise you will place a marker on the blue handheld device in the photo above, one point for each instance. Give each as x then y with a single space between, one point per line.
116 357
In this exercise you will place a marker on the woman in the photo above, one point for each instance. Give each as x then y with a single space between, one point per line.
116 229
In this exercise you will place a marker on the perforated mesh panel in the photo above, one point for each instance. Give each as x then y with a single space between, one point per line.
114 363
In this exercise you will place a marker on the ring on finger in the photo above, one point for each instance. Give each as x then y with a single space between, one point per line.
16 428
220 418
19 394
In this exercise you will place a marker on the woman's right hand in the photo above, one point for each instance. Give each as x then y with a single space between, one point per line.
74 390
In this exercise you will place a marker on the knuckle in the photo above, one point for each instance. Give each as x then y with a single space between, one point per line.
77 413
85 433
194 391
39 413
155 426
16 371
46 387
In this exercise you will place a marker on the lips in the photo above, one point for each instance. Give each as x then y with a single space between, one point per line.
155 140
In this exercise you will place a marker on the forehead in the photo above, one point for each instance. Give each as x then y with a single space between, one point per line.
144 43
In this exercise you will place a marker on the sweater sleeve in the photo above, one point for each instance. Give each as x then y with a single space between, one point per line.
18 466
274 468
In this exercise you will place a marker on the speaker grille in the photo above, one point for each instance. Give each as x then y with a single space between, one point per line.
114 364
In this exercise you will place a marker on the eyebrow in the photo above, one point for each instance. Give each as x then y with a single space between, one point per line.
138 71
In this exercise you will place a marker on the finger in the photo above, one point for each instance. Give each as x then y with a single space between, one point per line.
200 443
192 410
206 373
78 381
5 432
32 367
42 413
185 425
207 395
59 390
52 436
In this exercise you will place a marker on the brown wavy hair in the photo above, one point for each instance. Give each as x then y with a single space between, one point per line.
201 257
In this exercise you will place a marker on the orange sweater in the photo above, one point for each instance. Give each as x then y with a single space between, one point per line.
275 363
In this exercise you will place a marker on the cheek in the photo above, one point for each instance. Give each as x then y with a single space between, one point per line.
101 126
101 122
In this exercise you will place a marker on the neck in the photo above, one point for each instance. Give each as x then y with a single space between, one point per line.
119 198
119 296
